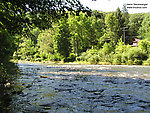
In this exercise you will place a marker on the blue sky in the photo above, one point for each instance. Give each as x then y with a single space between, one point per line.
136 6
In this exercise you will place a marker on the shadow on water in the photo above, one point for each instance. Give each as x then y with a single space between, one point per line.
80 88
8 74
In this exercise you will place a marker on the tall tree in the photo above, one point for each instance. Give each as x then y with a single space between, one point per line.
96 30
79 25
125 16
45 41
144 30
85 31
119 24
110 31
114 24
62 37
135 22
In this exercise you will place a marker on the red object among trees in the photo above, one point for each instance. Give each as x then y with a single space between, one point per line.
135 42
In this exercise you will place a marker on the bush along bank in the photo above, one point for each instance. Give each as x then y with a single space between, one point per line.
107 55
120 55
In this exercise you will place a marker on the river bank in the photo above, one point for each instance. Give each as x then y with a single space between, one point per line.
75 62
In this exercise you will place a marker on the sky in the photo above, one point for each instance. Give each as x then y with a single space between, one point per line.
133 6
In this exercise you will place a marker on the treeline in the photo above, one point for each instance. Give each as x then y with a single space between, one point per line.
19 20
98 38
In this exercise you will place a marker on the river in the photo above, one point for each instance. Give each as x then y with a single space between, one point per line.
72 88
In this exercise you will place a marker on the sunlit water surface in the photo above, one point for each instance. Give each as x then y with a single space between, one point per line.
81 89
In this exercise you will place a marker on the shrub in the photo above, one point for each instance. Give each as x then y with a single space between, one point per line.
136 55
129 62
56 57
93 59
147 62
123 54
87 56
138 62
117 59
145 45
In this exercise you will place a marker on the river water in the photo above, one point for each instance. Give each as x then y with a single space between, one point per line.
74 88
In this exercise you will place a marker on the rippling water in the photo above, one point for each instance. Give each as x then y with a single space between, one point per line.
81 89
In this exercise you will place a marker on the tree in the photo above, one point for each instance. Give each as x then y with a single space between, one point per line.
78 25
6 46
85 31
15 15
110 31
119 24
125 16
26 49
96 30
62 37
144 30
114 24
45 41
135 22
125 20
145 46
26 44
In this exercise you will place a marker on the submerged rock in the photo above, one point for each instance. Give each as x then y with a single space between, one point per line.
43 76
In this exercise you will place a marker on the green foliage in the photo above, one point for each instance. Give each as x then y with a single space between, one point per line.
122 54
110 34
136 55
85 32
106 52
6 46
145 46
119 50
107 48
135 22
55 57
115 22
7 71
62 39
94 37
120 47
145 26
45 41
147 62
26 49
125 54
18 17
95 56
26 45
89 56
125 16
15 15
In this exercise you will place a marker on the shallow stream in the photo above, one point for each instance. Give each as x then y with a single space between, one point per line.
81 89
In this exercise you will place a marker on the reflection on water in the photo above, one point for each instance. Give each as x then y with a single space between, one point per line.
79 88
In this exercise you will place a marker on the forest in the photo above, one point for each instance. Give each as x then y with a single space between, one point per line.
82 36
